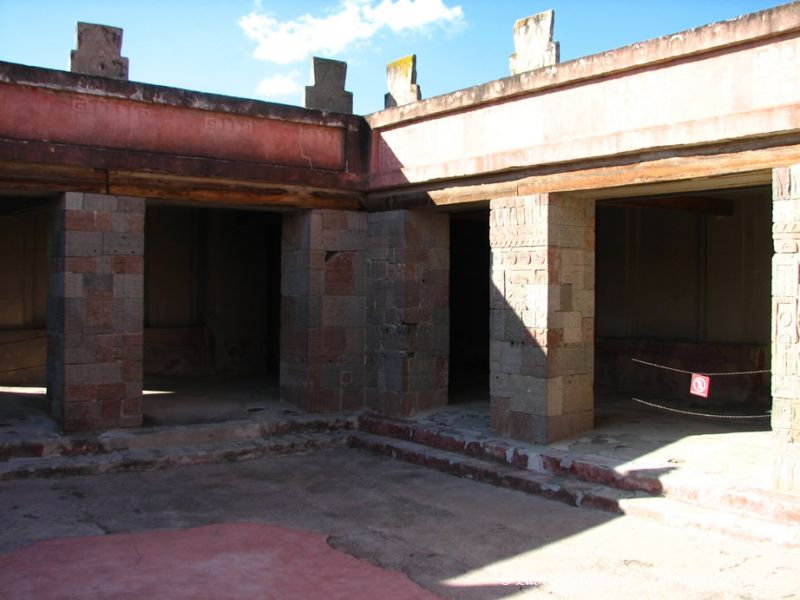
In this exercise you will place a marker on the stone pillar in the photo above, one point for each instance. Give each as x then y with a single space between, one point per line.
785 336
533 42
408 317
542 317
98 52
96 311
328 91
401 78
323 305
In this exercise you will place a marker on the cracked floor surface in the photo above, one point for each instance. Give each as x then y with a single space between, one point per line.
454 537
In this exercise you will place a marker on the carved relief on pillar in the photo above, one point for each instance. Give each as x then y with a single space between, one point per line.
542 305
518 222
786 416
785 335
785 322
785 183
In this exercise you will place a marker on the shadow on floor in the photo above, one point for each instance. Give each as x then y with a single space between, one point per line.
212 398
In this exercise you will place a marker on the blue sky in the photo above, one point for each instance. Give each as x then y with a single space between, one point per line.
261 49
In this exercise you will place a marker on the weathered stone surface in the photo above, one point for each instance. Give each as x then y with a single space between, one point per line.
785 336
407 311
98 52
533 42
328 91
542 304
323 309
95 311
401 78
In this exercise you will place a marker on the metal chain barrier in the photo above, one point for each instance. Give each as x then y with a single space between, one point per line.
666 368
700 414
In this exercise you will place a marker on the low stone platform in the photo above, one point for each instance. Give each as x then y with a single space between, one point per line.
684 471
679 470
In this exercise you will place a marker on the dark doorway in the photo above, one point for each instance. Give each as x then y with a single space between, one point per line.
24 229
25 223
469 306
212 310
683 282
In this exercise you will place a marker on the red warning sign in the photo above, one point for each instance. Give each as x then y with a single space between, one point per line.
700 385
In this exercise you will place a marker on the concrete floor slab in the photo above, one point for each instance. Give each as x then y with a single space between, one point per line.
455 537
714 464
211 398
241 560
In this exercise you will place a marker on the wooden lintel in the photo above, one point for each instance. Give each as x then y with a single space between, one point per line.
51 178
676 174
475 193
672 175
226 191
36 177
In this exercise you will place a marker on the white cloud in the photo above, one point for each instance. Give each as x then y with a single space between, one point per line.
399 15
280 85
285 42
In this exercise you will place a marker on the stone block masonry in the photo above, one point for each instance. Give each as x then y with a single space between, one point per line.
401 78
95 311
328 91
323 306
408 314
785 326
533 42
98 52
542 316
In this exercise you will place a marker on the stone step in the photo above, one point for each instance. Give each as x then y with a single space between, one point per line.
582 494
746 526
564 489
143 459
515 454
696 488
54 445
703 491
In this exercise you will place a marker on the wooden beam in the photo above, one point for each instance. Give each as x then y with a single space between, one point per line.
670 175
631 176
226 191
51 178
46 178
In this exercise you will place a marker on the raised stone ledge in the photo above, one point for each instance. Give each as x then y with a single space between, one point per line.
747 29
92 85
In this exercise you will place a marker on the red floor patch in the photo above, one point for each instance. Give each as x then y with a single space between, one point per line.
218 561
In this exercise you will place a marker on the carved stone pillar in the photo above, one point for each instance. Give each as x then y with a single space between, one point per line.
785 336
542 316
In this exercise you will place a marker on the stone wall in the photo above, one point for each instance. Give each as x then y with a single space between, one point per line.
407 311
323 305
542 316
785 327
95 311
